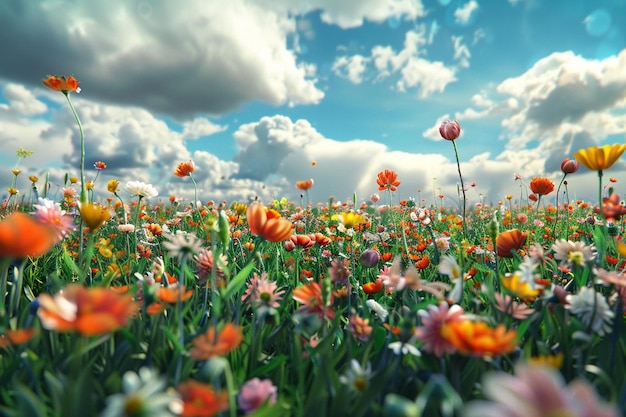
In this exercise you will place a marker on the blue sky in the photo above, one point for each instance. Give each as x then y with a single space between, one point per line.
255 90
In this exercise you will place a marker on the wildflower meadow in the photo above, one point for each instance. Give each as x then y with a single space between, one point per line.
119 302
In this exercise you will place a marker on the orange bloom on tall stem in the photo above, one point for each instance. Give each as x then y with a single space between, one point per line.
387 180
184 169
88 311
208 345
200 400
510 241
268 223
304 185
541 186
63 84
477 338
22 236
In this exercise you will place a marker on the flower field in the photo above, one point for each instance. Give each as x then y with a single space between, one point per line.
134 305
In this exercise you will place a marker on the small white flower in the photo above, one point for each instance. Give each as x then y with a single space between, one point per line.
592 309
357 378
143 394
380 311
182 243
141 189
404 348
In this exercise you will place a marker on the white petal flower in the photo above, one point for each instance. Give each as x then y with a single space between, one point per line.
141 189
592 309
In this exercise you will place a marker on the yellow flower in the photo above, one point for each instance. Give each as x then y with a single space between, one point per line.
89 185
16 171
553 361
600 158
94 215
73 180
348 219
112 186
515 284
33 179
105 247
12 191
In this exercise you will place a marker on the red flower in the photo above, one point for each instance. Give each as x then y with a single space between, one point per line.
199 400
387 180
510 241
569 166
62 84
541 186
185 169
450 130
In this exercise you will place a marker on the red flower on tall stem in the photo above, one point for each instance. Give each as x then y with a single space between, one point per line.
541 186
387 180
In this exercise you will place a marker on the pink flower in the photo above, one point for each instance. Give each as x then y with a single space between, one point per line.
262 294
256 392
204 261
433 320
50 213
360 328
507 305
450 130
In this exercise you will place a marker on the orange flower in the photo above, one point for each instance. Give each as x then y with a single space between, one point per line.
89 311
199 400
304 185
184 169
509 241
302 240
94 215
373 287
62 84
310 296
477 338
541 186
16 337
170 294
387 180
207 345
268 223
22 236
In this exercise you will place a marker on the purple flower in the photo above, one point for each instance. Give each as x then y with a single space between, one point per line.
256 392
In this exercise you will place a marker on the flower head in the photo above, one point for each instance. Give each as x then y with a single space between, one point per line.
263 294
200 400
182 243
450 129
88 311
387 180
433 320
185 169
304 185
209 345
569 166
356 377
63 84
477 338
573 253
592 309
268 223
112 186
143 395
255 393
510 241
311 297
541 186
50 212
94 215
22 236
600 158
141 189
99 165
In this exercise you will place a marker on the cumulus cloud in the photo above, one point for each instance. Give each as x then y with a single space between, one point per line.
463 14
351 68
204 58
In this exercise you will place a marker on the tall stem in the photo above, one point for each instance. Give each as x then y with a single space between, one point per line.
458 165
83 189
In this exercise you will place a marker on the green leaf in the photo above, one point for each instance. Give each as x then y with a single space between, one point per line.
237 283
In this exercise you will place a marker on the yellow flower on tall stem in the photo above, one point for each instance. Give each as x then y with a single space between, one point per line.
598 158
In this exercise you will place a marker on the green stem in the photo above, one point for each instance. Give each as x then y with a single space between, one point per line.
458 165
83 189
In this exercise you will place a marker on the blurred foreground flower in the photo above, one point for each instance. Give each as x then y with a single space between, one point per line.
50 212
268 223
143 395
433 320
255 393
22 236
592 309
200 400
537 391
63 84
94 215
600 158
209 345
509 241
88 311
478 339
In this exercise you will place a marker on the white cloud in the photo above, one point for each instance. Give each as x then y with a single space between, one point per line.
206 57
351 67
200 127
461 52
463 14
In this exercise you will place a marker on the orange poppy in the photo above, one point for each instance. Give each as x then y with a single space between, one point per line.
302 240
387 180
477 338
22 236
89 311
63 84
509 241
373 287
208 345
304 185
268 223
16 337
541 186
170 294
200 400
185 169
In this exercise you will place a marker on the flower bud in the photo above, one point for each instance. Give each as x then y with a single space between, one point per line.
369 258
450 130
569 166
